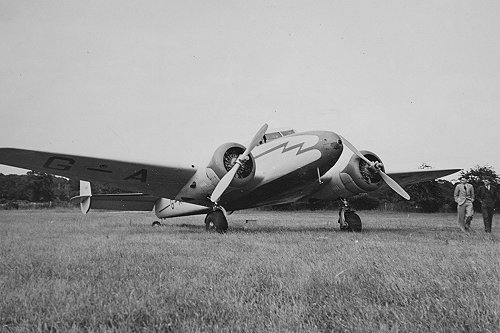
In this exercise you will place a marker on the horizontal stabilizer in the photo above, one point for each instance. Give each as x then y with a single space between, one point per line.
120 202
124 202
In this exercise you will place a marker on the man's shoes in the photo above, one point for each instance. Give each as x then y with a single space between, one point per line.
467 222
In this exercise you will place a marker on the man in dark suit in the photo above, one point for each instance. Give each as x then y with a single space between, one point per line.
488 196
464 197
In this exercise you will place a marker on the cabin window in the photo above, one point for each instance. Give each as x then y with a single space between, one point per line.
272 136
289 132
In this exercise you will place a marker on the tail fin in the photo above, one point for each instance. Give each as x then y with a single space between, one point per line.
86 193
84 197
85 189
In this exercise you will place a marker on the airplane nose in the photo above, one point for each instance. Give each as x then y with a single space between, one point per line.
334 141
338 144
332 145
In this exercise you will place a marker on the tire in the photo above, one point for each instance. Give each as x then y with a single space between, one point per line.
216 221
156 224
353 221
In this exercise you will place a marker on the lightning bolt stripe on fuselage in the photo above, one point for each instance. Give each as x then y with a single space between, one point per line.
286 148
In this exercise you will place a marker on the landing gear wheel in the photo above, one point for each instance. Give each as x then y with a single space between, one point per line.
352 222
156 224
348 219
216 221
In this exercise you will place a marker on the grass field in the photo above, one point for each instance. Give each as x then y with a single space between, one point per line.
61 271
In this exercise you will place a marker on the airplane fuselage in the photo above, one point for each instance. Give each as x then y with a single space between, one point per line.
287 169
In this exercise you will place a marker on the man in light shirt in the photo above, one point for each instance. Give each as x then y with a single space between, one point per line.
464 197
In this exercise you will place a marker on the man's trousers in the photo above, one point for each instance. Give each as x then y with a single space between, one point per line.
487 217
465 213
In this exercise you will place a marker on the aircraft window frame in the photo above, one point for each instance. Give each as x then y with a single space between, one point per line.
287 132
272 136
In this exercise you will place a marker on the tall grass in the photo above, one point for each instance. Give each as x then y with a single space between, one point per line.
61 271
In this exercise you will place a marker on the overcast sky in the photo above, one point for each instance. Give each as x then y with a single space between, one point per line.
169 81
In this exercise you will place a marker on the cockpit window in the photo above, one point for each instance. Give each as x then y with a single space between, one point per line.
272 136
275 135
289 132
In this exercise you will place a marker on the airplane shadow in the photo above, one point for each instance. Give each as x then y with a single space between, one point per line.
258 229
404 231
279 229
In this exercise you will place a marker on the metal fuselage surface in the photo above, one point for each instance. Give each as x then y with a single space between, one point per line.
287 169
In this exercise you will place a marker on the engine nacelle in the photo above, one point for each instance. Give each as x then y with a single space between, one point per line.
357 176
224 159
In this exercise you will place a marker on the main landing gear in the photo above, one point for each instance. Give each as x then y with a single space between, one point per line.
216 221
348 219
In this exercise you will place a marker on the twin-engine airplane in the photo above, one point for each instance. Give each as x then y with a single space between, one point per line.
275 168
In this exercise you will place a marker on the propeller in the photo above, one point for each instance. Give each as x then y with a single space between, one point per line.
377 167
228 177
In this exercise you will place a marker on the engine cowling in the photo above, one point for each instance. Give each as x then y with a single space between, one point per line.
358 177
224 159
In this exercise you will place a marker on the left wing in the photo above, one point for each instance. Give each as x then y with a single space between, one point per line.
156 180
413 177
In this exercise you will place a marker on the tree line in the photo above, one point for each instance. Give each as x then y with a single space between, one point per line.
430 196
36 187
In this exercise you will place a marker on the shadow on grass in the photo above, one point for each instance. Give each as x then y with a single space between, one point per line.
430 233
410 229
315 229
258 229
280 229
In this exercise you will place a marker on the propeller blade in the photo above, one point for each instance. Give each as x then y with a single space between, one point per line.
395 186
224 183
228 177
355 151
388 180
255 141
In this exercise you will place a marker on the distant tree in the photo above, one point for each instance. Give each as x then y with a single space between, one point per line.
478 173
74 187
364 201
447 189
426 195
10 187
61 188
431 196
39 187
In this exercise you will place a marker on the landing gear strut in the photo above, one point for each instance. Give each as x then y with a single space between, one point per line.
216 221
348 219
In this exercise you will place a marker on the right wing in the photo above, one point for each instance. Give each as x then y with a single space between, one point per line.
157 180
418 176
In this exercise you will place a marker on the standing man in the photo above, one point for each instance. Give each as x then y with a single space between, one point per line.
488 196
464 197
